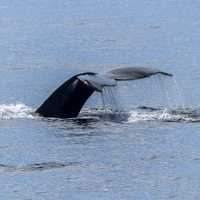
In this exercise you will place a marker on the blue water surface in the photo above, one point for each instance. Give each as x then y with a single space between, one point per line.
152 155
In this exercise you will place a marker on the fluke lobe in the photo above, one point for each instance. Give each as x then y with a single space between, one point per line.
69 98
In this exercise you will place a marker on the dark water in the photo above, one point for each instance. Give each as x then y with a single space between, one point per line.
149 153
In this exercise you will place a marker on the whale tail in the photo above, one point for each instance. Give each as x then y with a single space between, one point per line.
69 98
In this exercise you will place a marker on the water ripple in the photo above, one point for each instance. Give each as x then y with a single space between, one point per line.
35 167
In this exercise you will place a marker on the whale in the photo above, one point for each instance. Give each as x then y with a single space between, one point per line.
69 98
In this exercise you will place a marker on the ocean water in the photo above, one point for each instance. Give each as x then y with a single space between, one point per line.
150 150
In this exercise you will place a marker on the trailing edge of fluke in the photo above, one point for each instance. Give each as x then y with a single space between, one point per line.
69 98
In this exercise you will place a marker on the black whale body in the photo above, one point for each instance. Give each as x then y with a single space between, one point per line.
69 98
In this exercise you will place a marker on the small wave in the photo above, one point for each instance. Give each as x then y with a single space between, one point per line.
166 115
36 167
14 111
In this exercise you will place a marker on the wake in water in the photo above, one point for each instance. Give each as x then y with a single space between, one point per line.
21 111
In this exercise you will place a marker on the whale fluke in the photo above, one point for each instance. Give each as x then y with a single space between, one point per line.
69 98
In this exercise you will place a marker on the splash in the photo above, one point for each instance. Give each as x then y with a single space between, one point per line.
15 111
164 115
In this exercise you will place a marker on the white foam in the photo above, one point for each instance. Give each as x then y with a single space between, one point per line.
14 111
136 116
161 115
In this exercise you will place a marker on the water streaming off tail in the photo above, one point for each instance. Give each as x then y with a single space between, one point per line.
111 99
170 92
157 91
179 93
